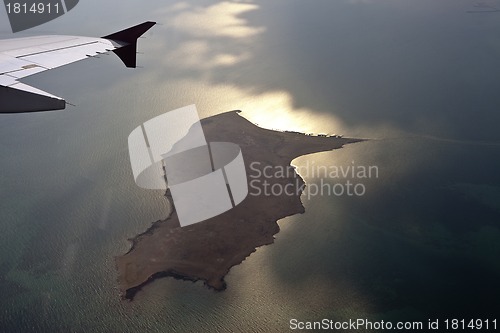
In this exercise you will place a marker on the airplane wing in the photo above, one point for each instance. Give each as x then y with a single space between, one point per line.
22 57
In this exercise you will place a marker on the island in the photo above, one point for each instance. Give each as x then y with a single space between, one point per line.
207 250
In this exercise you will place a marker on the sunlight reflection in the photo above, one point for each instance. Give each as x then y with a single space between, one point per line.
272 110
197 55
219 20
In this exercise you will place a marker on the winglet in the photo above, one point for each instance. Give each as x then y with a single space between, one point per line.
128 38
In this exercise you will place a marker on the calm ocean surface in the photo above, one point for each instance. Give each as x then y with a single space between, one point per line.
421 78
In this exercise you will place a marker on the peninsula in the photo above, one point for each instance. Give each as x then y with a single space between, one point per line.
206 251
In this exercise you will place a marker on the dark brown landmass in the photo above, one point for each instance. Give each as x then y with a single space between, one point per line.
206 251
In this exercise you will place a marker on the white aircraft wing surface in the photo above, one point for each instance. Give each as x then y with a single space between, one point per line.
22 57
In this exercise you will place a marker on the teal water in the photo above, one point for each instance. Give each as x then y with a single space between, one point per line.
419 77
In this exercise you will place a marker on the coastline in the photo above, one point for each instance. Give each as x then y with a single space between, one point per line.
207 251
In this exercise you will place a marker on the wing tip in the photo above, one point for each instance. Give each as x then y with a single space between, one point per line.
128 52
131 34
